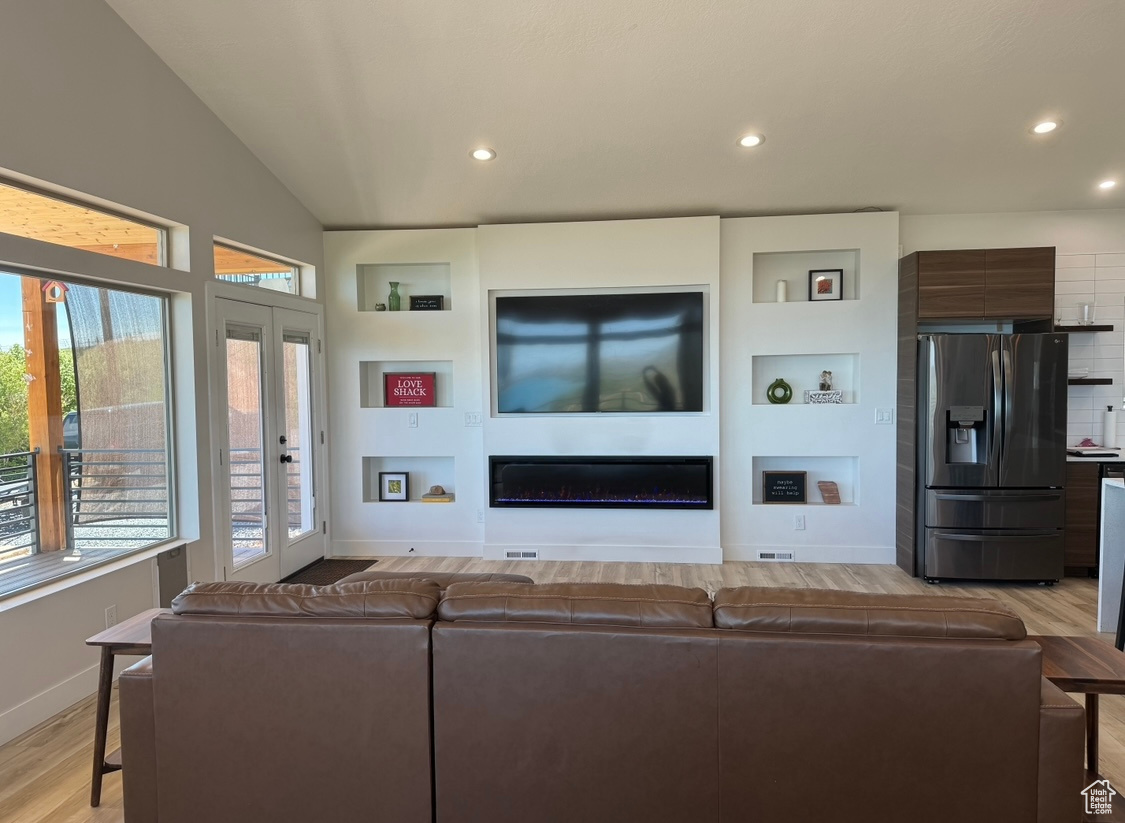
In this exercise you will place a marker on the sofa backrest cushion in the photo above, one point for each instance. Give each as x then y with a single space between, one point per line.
817 611
443 579
594 604
377 599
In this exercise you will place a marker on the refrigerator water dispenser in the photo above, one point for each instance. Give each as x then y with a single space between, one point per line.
965 434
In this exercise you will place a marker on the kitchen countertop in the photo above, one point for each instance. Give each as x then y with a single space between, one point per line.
1071 458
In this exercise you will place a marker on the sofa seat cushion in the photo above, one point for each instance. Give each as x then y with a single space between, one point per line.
404 599
595 604
818 611
443 579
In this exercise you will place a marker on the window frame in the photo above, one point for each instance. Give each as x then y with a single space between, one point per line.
162 230
293 266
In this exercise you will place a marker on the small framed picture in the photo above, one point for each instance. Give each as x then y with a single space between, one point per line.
826 284
394 487
409 388
427 302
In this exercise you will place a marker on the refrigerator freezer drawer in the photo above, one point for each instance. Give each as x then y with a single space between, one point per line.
993 509
1011 555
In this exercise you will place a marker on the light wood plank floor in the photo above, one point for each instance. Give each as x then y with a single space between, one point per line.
45 774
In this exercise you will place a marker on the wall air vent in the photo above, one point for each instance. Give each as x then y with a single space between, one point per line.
775 556
521 555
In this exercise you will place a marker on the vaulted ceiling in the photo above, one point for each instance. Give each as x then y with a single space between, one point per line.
368 109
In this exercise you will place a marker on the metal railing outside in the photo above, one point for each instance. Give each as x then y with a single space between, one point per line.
19 519
118 497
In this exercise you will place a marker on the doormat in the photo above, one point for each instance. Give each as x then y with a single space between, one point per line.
329 570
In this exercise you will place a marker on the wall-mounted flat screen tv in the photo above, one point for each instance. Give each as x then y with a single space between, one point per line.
591 352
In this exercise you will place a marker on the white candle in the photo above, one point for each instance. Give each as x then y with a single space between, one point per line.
782 291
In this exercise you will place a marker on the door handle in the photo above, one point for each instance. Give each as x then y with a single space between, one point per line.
286 458
992 498
1006 537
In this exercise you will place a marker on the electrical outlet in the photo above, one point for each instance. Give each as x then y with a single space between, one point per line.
480 515
799 522
111 616
884 417
472 418
412 421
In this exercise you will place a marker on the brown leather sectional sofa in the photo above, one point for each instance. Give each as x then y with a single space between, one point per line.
391 700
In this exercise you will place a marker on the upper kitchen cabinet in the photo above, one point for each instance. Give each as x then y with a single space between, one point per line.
982 284
951 283
1019 283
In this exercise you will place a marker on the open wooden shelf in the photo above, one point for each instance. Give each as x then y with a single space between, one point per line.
1082 329
1090 381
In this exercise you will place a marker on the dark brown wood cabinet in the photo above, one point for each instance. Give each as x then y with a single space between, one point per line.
1080 538
1019 283
986 284
951 284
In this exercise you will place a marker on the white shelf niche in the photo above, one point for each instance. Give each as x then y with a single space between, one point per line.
802 373
844 471
373 281
371 381
424 472
794 266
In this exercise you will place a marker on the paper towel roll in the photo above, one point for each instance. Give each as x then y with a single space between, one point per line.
1109 428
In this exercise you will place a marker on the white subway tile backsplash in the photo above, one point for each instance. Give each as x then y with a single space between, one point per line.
1078 288
1075 261
1084 275
1109 260
1080 416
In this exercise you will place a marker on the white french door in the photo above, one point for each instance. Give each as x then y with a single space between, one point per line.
267 405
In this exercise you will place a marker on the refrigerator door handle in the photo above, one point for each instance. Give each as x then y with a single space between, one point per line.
1009 375
995 429
1008 535
994 498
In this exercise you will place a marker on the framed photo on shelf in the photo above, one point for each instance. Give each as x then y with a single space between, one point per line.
394 487
427 302
409 389
826 284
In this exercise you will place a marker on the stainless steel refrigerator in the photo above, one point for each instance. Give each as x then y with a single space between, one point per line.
992 456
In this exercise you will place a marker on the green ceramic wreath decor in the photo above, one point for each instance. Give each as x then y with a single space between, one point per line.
779 392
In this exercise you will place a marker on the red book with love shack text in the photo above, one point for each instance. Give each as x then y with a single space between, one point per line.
409 389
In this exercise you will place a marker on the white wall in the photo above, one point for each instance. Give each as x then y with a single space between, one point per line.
612 254
841 443
1090 248
89 108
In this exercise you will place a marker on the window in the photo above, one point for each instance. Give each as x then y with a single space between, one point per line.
237 266
54 220
85 468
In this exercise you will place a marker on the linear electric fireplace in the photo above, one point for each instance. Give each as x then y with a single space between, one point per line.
601 482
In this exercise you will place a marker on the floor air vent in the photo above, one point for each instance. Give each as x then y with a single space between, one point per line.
521 555
775 555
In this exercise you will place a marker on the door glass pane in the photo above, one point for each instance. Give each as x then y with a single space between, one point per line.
298 433
245 423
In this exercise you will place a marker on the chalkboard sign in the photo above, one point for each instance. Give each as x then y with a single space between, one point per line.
784 487
427 302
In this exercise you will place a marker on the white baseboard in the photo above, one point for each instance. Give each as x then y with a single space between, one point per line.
611 553
402 548
29 714
867 555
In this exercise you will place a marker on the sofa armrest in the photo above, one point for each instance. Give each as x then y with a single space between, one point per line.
138 743
1062 730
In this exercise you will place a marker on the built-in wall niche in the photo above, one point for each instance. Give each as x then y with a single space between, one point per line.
843 471
371 379
424 472
373 281
793 267
802 373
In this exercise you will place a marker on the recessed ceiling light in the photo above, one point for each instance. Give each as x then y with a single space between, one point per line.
1107 184
483 154
749 141
1046 127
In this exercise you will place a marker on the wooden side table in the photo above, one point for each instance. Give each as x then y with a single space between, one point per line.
1088 666
132 636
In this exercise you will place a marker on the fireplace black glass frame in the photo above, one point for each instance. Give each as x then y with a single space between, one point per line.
675 482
